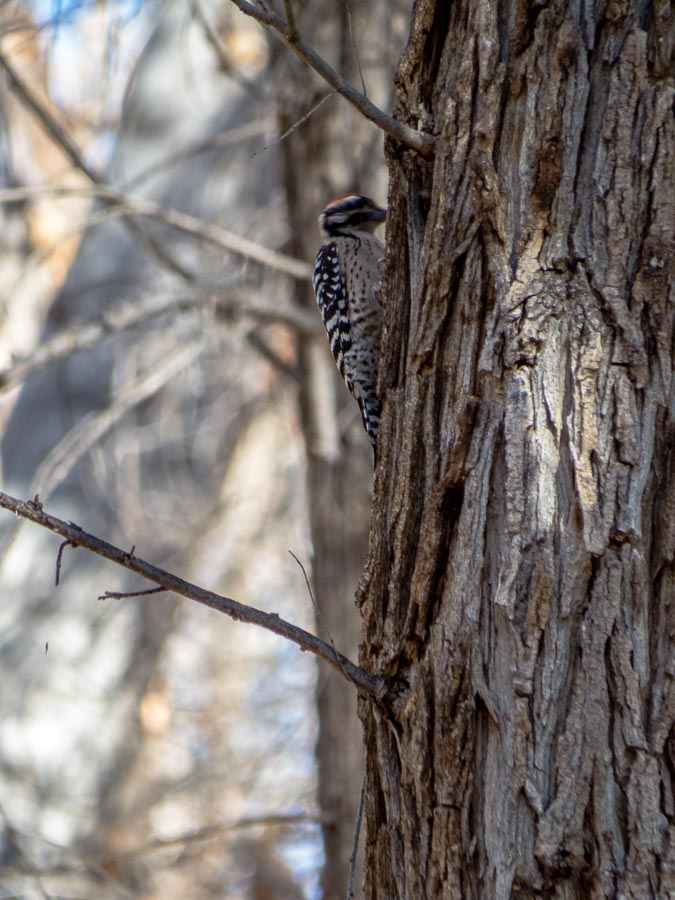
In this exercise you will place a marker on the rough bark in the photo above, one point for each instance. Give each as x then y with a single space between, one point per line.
520 583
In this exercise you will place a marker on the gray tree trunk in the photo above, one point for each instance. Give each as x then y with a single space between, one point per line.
520 584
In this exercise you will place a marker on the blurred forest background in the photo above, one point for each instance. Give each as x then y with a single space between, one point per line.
165 386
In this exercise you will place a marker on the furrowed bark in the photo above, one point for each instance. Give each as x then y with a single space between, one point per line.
520 581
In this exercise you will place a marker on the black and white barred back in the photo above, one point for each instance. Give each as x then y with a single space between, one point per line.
347 274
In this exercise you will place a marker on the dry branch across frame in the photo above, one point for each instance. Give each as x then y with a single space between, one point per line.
77 537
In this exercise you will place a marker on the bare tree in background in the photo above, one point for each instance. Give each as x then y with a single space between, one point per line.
129 724
334 152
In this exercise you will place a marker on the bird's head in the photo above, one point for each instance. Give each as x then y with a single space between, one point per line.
351 212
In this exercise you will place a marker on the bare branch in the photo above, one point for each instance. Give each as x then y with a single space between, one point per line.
133 207
92 427
65 454
59 560
295 125
127 316
53 128
94 864
292 28
33 511
123 595
225 139
355 844
87 336
226 239
61 138
226 64
348 7
209 832
26 867
416 140
270 312
126 205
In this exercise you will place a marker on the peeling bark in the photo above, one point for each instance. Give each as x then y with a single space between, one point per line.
520 584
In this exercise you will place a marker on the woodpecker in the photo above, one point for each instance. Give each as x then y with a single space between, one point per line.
346 279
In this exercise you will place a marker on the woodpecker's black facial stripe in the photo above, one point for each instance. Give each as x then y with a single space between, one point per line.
350 212
373 215
336 224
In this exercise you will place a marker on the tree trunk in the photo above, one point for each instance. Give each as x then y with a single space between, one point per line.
520 583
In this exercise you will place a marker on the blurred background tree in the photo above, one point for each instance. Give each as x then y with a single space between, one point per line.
168 389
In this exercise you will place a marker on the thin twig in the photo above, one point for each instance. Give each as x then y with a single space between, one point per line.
128 316
127 205
319 614
209 832
416 140
48 121
313 599
295 125
59 560
270 355
122 595
355 844
92 427
61 138
291 27
348 6
371 684
227 138
224 59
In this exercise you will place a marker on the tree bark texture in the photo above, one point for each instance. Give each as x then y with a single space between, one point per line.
520 584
